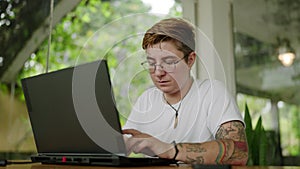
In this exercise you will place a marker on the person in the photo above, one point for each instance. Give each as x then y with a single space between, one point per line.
182 118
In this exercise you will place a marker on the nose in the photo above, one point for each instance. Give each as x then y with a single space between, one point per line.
159 70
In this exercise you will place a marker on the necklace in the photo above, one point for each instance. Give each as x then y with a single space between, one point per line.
176 111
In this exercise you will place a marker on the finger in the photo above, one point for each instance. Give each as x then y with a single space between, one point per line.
148 152
131 131
143 147
131 143
125 138
135 148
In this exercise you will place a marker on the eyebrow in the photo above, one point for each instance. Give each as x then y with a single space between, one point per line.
170 57
150 58
163 58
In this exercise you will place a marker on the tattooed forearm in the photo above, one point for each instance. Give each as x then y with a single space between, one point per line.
193 152
198 160
196 148
230 147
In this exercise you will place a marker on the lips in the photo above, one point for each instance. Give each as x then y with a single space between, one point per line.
162 82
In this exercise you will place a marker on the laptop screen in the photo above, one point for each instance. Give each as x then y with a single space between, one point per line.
73 111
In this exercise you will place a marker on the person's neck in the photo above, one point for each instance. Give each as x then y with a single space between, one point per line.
174 98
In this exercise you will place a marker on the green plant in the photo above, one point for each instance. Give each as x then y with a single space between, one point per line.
257 141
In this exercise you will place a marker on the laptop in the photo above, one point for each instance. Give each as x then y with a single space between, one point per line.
74 118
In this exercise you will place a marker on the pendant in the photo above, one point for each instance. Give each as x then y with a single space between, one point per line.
176 122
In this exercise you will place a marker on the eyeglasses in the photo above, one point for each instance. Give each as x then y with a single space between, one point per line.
167 66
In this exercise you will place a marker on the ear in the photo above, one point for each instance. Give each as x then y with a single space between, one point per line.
191 59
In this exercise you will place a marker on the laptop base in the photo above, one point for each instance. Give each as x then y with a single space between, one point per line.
113 160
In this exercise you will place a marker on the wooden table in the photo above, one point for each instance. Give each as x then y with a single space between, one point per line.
44 166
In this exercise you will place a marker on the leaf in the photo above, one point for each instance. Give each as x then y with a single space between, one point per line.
256 142
86 18
248 122
249 134
263 147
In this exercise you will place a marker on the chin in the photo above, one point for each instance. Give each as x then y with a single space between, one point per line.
162 88
166 90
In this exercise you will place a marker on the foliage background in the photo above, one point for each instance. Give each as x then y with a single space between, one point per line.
109 30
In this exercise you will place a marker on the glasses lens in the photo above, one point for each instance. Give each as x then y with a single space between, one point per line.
168 67
148 67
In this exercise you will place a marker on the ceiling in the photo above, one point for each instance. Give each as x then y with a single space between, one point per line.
264 20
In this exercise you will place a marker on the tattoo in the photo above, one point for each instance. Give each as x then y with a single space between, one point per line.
198 160
228 132
228 147
231 130
240 145
195 148
240 153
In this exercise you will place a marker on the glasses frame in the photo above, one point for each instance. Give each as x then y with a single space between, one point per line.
155 65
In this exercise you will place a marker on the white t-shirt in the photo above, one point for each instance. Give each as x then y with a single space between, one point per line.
206 106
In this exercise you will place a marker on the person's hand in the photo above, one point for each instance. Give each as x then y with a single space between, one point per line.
144 143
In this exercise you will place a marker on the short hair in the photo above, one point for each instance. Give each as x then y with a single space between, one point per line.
177 30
